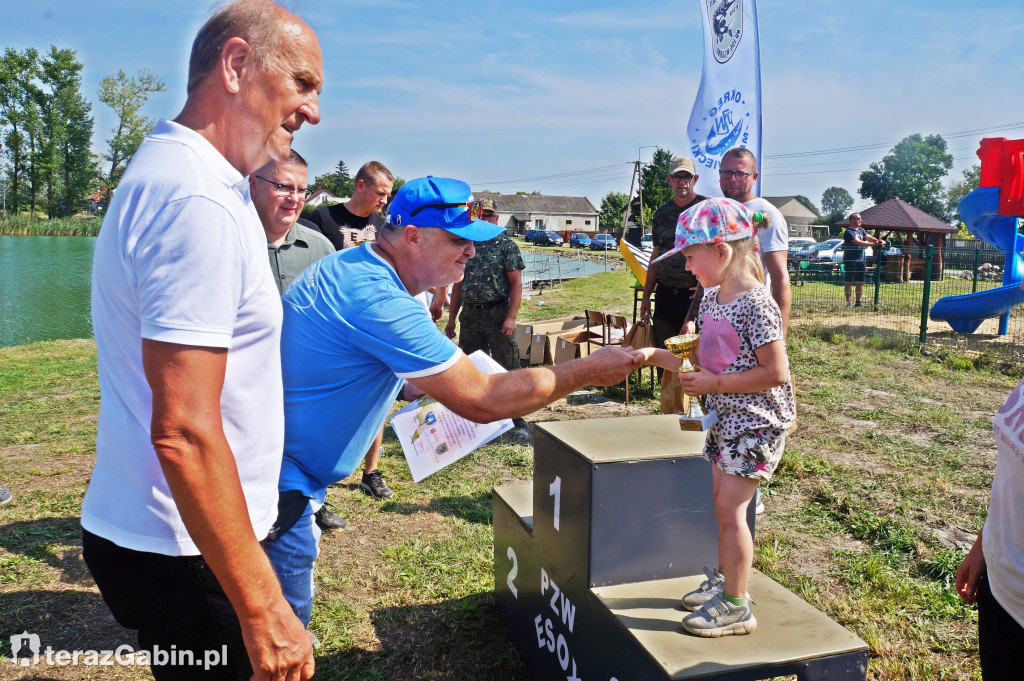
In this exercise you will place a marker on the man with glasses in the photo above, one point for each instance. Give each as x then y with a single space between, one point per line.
279 192
489 297
737 177
358 219
675 284
365 335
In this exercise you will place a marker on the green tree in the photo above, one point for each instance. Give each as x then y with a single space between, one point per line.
613 206
958 190
835 202
338 182
18 70
126 95
654 187
807 203
913 171
68 164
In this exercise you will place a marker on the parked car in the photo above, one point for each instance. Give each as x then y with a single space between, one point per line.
546 237
647 242
799 243
837 255
579 240
815 251
602 242
796 245
529 234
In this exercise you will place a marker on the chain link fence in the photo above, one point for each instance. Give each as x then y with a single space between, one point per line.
903 289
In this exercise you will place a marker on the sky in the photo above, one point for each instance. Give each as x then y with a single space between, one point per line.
562 97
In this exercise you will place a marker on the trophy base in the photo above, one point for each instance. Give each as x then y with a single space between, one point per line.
701 423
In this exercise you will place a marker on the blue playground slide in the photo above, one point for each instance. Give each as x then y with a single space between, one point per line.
979 211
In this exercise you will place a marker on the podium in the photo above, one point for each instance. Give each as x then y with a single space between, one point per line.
592 558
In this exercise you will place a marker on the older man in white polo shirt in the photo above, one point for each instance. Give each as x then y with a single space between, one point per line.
187 322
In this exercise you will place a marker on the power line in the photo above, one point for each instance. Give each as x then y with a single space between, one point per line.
550 177
864 147
837 170
797 154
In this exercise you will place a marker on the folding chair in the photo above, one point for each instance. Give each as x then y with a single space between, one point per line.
613 331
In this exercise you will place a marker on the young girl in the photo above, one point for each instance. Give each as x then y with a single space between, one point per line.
744 372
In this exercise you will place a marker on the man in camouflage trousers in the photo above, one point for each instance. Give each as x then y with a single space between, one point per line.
489 296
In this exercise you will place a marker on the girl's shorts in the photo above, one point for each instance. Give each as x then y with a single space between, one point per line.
753 454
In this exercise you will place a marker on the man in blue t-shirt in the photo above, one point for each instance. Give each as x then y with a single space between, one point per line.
854 241
363 335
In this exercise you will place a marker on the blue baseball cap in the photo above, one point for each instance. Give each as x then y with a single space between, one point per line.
440 202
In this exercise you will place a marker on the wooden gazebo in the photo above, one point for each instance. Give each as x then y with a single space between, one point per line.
909 229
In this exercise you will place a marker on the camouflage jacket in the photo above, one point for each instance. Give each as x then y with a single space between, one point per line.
486 279
672 270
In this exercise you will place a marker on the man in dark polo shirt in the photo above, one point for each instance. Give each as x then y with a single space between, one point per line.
675 284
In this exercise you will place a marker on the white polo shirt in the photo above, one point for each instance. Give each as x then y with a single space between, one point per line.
181 258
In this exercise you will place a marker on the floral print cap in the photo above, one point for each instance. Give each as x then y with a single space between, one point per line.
712 221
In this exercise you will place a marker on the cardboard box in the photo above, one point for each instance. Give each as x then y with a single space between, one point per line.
542 340
525 333
571 345
524 330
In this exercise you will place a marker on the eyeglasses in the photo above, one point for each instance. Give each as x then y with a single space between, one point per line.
682 178
733 174
285 190
475 208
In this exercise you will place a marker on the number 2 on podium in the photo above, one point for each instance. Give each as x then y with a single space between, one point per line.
555 490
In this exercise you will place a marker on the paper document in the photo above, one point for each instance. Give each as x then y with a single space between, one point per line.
433 437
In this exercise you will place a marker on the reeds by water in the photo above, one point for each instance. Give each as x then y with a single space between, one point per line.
23 225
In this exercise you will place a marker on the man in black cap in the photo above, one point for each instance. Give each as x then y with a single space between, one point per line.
675 284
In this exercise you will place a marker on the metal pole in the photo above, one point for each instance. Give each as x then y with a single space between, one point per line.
878 275
926 298
640 197
977 264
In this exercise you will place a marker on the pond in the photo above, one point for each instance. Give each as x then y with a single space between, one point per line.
45 294
47 279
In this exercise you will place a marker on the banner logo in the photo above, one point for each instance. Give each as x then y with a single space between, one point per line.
25 649
724 126
726 20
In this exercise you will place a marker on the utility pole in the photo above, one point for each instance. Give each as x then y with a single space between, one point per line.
629 199
640 185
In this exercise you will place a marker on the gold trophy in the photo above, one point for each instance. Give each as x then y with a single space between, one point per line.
696 418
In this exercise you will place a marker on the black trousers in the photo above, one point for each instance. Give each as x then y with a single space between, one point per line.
184 620
670 308
1000 638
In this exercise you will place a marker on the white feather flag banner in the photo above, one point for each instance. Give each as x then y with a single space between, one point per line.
727 110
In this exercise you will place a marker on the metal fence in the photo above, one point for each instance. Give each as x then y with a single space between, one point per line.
901 289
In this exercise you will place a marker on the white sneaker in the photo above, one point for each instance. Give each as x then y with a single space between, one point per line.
709 588
719 617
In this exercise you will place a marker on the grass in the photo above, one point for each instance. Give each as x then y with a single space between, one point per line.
23 225
879 495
